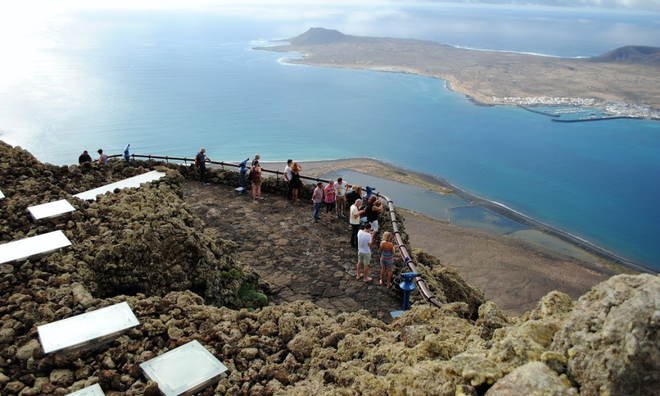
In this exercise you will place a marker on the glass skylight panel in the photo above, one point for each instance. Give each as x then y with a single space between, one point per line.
184 370
39 244
87 330
134 181
94 390
51 209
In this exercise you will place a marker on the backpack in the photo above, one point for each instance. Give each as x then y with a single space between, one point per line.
197 160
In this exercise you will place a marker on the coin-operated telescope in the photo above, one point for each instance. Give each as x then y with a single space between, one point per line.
243 169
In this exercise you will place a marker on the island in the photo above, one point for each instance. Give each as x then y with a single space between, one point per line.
622 82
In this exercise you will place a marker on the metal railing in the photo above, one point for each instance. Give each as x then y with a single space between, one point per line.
421 285
423 289
221 163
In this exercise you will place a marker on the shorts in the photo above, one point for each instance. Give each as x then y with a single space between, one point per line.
387 264
374 226
364 258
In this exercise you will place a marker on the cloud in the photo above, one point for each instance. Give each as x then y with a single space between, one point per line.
282 8
648 5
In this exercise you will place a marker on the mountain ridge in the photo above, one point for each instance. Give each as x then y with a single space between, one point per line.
631 54
626 54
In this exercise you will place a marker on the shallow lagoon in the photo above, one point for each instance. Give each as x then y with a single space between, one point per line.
457 211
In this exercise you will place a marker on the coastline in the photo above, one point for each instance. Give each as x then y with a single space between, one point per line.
489 78
479 99
382 169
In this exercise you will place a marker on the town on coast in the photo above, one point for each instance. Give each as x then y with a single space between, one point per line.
620 82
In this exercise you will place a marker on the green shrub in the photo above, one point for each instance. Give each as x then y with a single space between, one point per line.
249 297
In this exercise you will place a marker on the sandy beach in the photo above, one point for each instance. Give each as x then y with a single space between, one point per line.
514 271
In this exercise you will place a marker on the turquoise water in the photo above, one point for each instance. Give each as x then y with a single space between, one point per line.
453 209
170 84
403 195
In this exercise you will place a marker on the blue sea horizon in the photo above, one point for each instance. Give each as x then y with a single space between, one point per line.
170 84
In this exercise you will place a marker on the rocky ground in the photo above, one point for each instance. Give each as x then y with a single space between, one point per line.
184 282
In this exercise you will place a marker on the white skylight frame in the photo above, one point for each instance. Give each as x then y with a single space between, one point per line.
33 246
50 209
184 370
87 330
134 181
93 390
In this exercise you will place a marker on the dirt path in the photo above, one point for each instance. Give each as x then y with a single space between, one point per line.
296 258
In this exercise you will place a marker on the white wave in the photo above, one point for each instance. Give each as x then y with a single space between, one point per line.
514 52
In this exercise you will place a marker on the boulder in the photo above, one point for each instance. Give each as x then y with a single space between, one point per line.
446 284
27 351
532 379
612 338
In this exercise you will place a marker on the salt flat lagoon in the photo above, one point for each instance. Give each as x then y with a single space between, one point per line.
170 83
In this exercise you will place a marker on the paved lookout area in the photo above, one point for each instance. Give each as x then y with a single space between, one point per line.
298 259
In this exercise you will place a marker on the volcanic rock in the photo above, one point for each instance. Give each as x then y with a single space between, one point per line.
612 337
147 247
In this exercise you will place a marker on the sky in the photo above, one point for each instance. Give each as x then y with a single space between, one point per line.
39 6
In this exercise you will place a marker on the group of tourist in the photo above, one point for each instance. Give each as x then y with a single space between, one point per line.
362 238
365 240
85 159
292 178
363 219
334 196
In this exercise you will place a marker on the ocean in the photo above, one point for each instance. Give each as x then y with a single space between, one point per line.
169 83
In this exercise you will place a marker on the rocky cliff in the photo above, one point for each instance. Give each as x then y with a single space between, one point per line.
146 247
